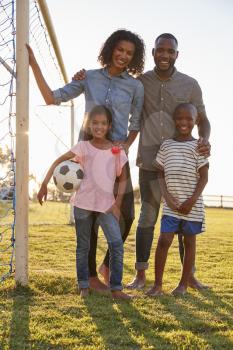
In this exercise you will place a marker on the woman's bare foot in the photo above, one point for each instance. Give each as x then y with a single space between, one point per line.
155 291
118 294
84 292
195 284
179 290
97 285
139 281
104 271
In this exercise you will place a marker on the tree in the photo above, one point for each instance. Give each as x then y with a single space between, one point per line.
6 173
5 156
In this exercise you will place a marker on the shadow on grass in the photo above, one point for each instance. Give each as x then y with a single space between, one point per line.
144 322
19 337
109 324
54 285
119 324
202 319
208 301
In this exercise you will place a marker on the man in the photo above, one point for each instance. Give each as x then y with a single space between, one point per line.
164 89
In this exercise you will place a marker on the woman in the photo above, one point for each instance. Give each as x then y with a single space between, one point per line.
121 57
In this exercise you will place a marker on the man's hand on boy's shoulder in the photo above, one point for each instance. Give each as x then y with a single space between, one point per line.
203 147
80 75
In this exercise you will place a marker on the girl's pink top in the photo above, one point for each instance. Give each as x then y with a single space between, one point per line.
101 167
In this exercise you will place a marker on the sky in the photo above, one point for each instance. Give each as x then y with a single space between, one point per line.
204 29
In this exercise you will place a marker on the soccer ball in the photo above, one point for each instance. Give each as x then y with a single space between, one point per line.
67 176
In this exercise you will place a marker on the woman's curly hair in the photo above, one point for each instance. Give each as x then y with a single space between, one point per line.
136 66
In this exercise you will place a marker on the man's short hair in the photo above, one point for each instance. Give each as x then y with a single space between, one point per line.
166 36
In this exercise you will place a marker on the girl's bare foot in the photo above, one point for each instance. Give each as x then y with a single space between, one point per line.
155 291
104 271
179 290
97 285
118 294
84 292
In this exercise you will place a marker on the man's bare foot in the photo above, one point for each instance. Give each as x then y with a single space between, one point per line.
97 285
195 284
139 281
84 292
118 294
179 290
104 271
155 291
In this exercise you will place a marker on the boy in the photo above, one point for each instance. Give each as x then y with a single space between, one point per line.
183 174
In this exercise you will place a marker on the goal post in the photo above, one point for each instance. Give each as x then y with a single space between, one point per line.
22 143
22 129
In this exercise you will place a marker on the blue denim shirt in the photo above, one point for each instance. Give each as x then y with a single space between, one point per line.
122 94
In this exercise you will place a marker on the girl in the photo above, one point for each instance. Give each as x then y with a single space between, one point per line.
183 174
113 85
102 163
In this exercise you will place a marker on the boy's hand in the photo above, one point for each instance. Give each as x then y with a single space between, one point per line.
115 210
81 75
42 194
186 206
203 147
172 202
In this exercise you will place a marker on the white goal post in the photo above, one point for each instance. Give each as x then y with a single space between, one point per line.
22 129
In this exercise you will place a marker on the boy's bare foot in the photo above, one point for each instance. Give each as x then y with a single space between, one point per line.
97 285
84 292
155 291
179 290
104 271
138 282
118 294
195 284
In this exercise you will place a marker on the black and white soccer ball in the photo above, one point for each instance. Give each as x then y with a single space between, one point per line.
68 176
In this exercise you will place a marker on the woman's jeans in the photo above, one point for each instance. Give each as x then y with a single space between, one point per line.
110 226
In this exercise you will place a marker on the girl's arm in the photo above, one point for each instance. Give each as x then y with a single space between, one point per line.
187 205
41 82
172 202
115 209
42 194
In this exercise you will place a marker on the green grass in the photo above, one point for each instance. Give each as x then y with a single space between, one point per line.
49 314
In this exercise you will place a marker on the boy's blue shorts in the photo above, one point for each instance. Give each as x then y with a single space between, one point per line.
170 224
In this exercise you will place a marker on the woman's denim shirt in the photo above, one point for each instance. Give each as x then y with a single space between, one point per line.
122 94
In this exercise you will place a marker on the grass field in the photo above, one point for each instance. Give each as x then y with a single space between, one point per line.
50 315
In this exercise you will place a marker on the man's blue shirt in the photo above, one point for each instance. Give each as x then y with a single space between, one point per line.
122 94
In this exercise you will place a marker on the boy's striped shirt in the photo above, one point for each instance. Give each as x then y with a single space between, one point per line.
181 162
